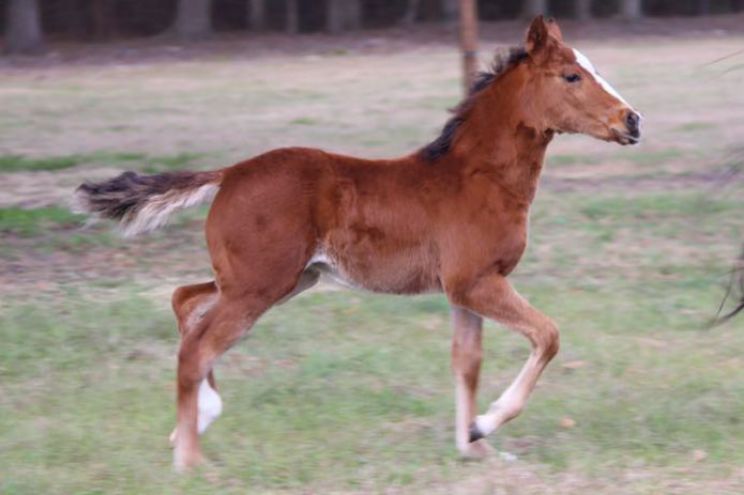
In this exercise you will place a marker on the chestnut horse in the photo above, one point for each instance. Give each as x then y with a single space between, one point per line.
451 217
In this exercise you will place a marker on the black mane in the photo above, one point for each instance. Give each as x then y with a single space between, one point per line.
442 144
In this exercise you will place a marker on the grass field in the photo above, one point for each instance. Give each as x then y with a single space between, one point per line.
342 392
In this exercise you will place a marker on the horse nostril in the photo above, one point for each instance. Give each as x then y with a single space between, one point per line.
632 120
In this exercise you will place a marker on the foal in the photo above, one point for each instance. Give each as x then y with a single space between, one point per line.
451 217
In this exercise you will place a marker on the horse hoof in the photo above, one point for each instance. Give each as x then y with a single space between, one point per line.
477 451
475 433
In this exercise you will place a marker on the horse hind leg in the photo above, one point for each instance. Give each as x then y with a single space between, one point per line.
233 314
227 321
190 303
196 300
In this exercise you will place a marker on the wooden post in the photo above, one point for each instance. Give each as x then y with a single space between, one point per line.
292 25
631 9
100 15
583 9
256 15
343 15
469 41
534 7
23 27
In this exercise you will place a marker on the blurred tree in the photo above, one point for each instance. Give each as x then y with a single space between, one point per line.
343 15
97 19
101 18
469 42
535 7
583 9
23 31
412 9
193 19
449 10
256 15
69 18
631 9
292 20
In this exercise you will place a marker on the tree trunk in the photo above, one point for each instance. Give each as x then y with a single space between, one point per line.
257 15
193 19
353 14
69 18
23 27
411 12
631 9
583 9
101 17
449 10
535 7
292 22
334 16
342 15
469 41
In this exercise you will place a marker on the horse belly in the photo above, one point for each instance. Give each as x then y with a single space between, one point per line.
397 273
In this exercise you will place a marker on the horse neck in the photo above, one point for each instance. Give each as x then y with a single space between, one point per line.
498 139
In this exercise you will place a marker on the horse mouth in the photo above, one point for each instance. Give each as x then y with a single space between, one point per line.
626 138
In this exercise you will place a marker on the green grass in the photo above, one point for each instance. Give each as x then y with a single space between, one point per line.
585 159
693 127
178 161
340 391
304 121
649 157
30 222
143 161
16 163
656 206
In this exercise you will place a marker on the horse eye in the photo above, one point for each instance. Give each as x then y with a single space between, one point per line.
572 78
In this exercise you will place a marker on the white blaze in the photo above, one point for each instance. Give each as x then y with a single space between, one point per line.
587 64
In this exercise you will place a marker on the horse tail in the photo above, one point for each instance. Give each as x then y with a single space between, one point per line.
141 203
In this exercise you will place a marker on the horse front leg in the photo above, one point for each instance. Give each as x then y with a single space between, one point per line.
467 353
492 296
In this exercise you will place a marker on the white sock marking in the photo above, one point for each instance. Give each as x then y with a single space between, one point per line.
210 405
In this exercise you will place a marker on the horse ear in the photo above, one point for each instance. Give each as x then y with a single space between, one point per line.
553 30
537 35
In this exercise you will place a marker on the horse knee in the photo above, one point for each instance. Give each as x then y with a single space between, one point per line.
466 360
179 297
190 302
548 342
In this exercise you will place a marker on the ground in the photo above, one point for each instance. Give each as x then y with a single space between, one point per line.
342 392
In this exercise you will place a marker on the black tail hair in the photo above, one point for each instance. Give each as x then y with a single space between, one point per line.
143 202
